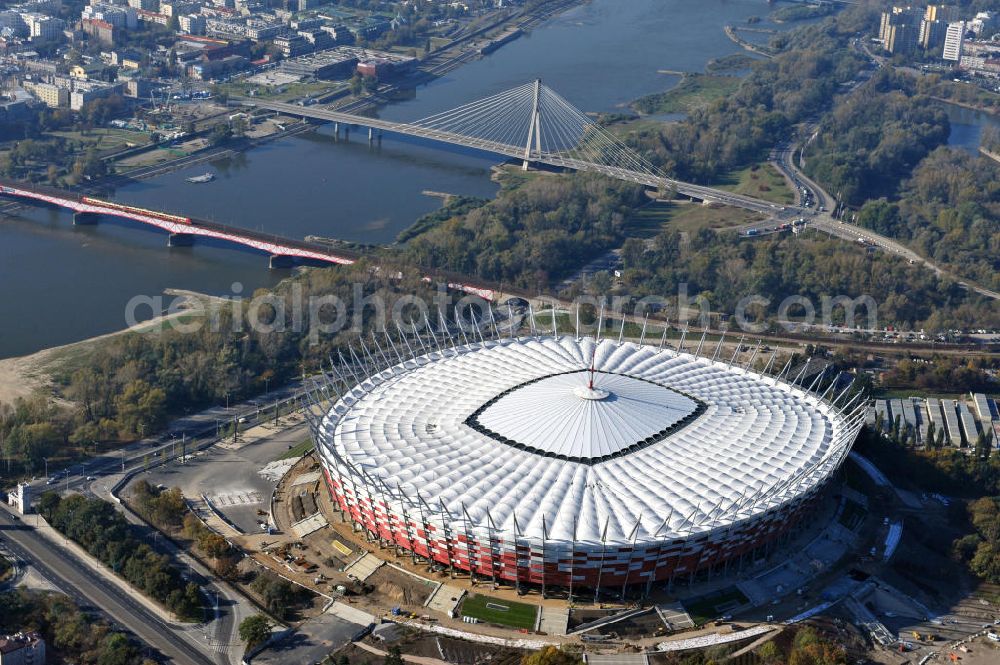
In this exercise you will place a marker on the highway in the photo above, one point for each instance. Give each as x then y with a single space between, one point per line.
79 582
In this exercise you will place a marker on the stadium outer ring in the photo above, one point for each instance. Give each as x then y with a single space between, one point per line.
484 551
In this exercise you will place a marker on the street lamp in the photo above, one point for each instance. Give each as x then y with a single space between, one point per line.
46 460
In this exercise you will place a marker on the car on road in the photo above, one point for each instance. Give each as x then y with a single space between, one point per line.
91 478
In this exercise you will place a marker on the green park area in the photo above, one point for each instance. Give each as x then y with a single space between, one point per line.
684 216
693 92
762 181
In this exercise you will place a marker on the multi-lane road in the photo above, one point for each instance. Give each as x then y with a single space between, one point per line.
819 215
78 581
214 643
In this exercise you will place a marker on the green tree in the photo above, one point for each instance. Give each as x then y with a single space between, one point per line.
551 655
255 630
393 656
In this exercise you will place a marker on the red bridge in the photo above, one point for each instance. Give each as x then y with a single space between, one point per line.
183 230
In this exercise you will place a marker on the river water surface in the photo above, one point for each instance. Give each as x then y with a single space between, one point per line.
59 284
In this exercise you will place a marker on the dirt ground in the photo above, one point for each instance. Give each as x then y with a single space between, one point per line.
416 643
21 377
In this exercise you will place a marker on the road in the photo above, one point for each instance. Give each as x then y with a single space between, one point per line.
819 216
219 644
79 582
230 607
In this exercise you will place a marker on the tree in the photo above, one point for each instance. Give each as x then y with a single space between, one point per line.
769 653
220 134
551 655
255 630
632 252
394 656
278 594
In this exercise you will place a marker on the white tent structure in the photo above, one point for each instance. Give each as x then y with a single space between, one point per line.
565 461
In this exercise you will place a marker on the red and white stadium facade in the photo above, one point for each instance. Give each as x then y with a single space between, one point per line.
565 462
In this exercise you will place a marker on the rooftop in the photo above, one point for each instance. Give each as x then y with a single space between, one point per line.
510 432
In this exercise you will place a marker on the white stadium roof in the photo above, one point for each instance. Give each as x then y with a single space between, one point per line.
508 432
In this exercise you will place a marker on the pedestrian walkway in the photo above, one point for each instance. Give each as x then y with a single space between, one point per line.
445 599
311 524
364 567
554 620
674 616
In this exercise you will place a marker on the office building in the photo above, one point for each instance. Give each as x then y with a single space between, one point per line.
953 40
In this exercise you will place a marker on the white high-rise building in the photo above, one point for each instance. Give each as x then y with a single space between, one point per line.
953 39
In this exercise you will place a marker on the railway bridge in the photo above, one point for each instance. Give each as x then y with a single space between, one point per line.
181 230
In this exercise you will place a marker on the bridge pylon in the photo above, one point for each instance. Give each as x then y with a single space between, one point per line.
534 126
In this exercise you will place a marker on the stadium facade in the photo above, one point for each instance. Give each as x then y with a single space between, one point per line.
574 463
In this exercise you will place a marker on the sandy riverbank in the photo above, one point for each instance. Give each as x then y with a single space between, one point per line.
23 376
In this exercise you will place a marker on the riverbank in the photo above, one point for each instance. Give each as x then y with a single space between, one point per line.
989 110
694 91
22 377
746 44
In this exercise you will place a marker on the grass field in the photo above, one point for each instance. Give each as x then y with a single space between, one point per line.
715 605
105 138
299 449
287 91
694 91
685 217
762 181
502 612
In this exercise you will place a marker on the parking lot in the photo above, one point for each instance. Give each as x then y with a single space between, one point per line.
230 478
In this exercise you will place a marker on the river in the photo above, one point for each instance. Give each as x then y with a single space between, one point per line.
967 127
60 284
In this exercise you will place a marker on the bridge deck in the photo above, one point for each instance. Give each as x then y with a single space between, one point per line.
273 245
700 192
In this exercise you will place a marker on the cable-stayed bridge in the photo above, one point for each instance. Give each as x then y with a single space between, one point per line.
535 124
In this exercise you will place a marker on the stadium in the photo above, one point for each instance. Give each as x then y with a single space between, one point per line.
567 462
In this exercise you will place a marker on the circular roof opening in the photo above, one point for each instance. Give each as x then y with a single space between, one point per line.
563 416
